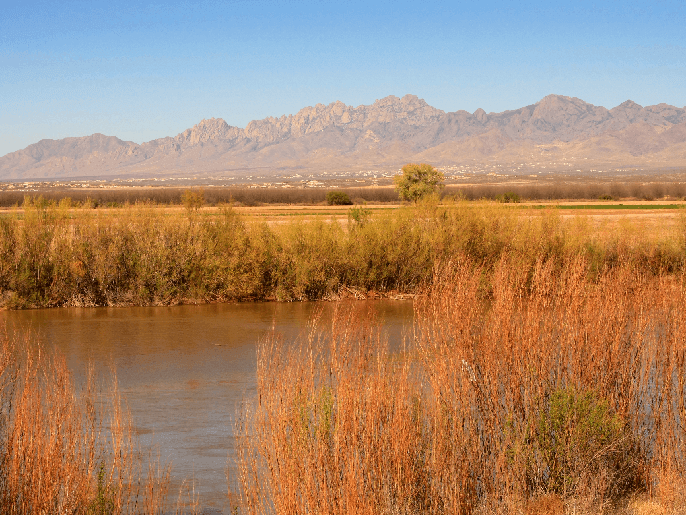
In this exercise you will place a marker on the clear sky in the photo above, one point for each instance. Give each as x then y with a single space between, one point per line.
142 70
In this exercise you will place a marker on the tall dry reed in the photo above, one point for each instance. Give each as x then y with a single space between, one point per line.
68 449
519 383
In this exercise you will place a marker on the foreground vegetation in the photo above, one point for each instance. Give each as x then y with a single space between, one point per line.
518 391
68 449
52 255
545 371
521 391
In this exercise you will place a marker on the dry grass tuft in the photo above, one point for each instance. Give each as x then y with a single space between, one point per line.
549 504
646 507
65 449
530 391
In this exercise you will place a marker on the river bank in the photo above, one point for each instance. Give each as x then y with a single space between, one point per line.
143 255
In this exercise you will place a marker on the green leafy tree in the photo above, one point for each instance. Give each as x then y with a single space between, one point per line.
193 200
418 181
338 198
509 197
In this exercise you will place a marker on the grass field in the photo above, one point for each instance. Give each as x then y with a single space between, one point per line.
662 216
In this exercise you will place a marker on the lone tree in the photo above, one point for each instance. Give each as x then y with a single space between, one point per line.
193 200
417 181
338 198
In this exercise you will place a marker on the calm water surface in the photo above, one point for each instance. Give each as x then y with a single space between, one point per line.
184 369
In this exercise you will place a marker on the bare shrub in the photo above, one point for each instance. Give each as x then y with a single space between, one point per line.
118 197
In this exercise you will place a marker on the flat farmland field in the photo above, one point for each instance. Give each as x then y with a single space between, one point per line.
659 215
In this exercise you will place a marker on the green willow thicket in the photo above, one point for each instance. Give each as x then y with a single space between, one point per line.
142 255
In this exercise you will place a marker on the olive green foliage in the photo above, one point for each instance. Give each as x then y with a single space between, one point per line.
358 216
576 436
338 198
54 256
509 197
417 181
103 503
193 200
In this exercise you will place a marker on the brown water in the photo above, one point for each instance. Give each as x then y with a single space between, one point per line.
184 369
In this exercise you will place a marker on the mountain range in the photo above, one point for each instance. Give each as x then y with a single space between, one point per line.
388 133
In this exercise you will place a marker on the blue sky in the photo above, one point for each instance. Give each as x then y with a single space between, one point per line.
142 70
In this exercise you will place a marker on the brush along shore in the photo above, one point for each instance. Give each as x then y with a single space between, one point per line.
550 392
53 256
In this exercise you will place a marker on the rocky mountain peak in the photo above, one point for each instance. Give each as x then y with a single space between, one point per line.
567 117
408 102
405 101
481 115
206 130
628 111
409 109
76 147
391 130
552 104
630 104
390 100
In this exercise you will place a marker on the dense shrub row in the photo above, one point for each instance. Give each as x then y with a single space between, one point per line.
240 195
246 196
560 190
52 256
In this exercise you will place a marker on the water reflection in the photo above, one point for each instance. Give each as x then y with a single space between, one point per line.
183 369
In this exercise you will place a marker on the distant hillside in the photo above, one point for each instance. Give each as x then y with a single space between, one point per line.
388 133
